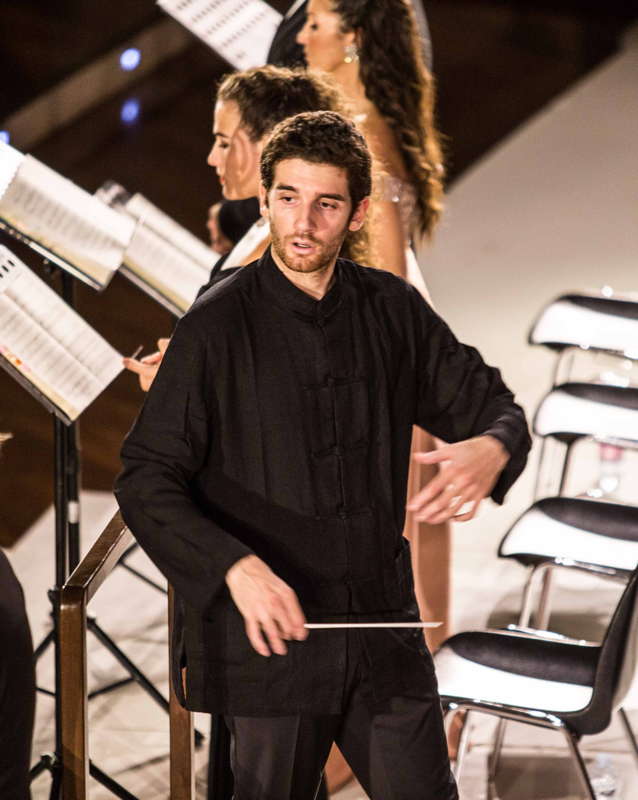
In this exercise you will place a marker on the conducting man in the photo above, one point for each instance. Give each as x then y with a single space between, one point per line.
266 477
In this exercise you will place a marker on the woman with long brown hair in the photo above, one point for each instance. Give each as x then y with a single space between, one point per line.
373 51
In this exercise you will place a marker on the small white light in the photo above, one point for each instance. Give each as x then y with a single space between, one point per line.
5 137
130 111
130 59
607 291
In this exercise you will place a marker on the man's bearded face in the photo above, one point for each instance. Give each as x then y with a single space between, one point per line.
309 208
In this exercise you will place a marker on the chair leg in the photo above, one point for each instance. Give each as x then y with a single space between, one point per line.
527 602
565 470
497 747
462 748
572 742
557 368
539 470
545 601
631 736
561 374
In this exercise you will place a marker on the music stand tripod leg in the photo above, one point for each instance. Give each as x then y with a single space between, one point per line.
125 565
72 460
133 670
49 761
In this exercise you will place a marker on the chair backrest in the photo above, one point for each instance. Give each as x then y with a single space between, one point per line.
574 410
579 532
590 321
616 662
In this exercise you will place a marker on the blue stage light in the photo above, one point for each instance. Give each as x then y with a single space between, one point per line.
130 59
5 137
130 111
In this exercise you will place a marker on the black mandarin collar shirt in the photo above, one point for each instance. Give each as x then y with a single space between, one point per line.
281 425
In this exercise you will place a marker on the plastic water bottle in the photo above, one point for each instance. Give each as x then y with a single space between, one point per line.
604 779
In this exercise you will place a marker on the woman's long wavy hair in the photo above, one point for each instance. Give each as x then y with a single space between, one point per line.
401 87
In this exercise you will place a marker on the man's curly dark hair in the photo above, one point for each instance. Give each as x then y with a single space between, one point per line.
321 137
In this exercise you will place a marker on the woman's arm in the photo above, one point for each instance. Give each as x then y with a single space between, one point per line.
387 244
386 234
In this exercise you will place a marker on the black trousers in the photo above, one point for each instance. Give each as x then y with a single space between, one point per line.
17 688
396 748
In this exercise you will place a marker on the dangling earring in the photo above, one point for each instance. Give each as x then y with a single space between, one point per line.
351 53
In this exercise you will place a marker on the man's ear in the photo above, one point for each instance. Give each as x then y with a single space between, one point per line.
359 216
263 202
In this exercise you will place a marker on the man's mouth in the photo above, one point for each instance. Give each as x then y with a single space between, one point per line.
301 246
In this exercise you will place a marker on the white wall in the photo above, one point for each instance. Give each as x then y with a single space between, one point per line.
553 208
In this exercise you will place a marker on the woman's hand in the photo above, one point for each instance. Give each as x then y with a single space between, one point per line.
146 368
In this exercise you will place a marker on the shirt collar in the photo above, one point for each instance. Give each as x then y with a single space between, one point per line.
293 298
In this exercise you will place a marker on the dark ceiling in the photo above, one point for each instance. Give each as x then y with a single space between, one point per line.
43 41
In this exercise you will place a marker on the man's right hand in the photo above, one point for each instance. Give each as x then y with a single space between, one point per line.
270 608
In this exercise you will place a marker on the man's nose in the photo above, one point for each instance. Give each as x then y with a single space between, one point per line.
304 218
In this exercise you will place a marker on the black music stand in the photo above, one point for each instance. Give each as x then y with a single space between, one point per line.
67 543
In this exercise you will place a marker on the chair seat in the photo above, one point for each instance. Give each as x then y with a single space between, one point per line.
506 669
573 410
590 321
567 528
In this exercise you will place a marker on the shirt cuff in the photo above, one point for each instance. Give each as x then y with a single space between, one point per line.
517 450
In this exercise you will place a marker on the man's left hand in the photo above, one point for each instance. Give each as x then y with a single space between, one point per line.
467 475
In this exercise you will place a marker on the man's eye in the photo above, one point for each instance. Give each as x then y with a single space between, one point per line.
326 204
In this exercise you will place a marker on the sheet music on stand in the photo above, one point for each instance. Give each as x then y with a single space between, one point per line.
239 30
164 259
61 221
47 346
141 209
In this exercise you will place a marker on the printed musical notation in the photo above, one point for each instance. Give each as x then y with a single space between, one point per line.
61 218
239 30
48 343
153 263
164 259
166 227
